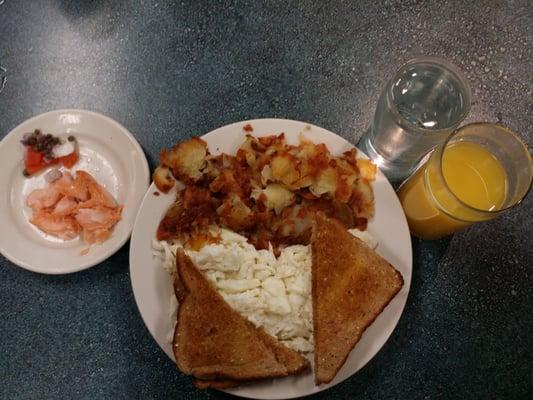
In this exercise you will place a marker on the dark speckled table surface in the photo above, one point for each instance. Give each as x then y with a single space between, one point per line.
170 69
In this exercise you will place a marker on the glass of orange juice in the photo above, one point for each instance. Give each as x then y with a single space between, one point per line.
481 170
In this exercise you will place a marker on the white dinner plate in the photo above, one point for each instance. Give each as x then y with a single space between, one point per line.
153 289
107 151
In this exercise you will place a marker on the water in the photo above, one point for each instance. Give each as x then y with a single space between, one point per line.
429 97
420 106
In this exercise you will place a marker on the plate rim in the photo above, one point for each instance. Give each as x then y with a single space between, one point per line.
146 179
409 251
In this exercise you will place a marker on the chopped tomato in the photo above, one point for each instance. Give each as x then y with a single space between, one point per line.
32 169
35 161
34 158
68 161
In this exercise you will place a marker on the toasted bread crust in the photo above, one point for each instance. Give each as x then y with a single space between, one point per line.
214 342
215 384
351 285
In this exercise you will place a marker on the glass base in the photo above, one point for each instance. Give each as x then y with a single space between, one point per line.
394 171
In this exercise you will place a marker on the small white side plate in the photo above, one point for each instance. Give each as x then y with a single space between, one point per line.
152 286
107 151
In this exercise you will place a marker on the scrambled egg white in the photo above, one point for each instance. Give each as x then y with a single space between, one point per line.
273 293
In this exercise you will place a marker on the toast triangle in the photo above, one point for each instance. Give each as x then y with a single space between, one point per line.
351 285
212 342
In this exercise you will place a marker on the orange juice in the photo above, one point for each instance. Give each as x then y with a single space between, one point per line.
446 195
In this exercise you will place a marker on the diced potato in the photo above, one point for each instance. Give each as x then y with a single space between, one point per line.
367 169
225 183
347 173
186 159
302 182
266 174
247 152
326 182
319 158
347 168
350 156
345 187
211 169
306 147
277 197
234 213
274 141
163 179
283 169
362 202
305 176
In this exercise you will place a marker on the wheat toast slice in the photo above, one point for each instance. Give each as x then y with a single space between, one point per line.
215 384
213 342
351 285
291 359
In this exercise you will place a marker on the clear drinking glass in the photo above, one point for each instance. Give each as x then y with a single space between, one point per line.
421 105
480 171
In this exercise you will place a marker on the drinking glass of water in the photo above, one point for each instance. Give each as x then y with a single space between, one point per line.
421 105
